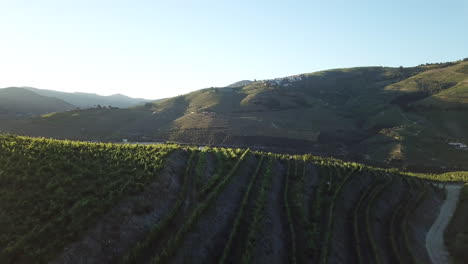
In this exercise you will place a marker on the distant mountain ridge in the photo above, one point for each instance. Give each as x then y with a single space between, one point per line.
86 100
20 102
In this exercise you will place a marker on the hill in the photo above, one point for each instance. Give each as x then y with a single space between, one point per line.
19 102
109 203
240 83
87 100
400 117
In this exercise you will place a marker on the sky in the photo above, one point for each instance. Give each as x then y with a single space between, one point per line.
157 49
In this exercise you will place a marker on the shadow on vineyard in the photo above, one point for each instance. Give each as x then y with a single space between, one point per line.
76 202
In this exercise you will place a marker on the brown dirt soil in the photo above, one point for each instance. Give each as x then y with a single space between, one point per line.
206 241
128 222
342 249
301 227
239 243
312 180
189 200
382 211
271 241
367 251
210 168
409 196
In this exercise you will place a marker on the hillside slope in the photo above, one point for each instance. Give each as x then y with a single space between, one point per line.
398 116
86 100
107 203
19 102
240 83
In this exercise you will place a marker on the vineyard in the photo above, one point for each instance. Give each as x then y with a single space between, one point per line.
78 202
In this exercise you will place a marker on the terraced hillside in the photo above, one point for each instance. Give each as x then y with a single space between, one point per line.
72 202
397 117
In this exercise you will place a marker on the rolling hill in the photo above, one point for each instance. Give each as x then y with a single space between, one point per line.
240 83
19 102
87 100
401 117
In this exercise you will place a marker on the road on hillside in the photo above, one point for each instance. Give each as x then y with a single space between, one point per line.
435 237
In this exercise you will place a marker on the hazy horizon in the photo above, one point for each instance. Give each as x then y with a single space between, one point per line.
158 50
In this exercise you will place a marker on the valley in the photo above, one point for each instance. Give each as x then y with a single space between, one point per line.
345 165
269 132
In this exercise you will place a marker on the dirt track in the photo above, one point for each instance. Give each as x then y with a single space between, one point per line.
435 237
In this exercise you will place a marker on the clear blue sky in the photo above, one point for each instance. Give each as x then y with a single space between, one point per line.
157 49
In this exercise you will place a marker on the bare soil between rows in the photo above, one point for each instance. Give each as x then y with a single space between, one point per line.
208 237
128 222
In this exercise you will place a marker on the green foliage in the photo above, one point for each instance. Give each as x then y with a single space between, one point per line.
225 160
298 201
399 224
326 247
258 214
50 191
240 213
324 162
356 214
395 227
144 245
200 169
375 193
411 206
292 233
456 176
171 246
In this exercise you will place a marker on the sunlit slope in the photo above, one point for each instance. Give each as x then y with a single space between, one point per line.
442 89
432 105
401 116
300 107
